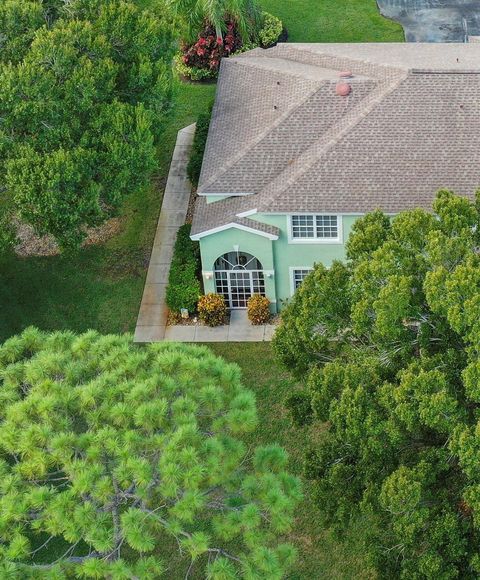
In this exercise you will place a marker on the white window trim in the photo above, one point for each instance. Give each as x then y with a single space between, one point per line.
291 270
337 240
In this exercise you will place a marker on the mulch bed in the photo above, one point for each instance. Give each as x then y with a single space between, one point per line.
191 206
175 320
30 244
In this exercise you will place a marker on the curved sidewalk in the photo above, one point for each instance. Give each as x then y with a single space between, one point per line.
152 317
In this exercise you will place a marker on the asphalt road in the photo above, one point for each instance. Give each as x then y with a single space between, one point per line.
434 20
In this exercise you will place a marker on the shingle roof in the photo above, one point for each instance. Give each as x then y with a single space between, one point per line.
279 132
212 215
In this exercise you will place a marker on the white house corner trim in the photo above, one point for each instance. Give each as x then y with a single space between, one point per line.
247 213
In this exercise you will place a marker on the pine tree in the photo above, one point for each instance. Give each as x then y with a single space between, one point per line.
109 449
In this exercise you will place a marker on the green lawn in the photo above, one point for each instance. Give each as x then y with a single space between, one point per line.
321 555
334 21
100 288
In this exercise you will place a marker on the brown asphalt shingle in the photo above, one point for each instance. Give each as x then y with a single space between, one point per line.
410 126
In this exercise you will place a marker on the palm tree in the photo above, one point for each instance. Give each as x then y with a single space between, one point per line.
245 13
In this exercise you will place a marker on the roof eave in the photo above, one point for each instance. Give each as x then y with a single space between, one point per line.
197 237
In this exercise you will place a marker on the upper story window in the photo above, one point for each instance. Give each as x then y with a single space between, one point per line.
315 227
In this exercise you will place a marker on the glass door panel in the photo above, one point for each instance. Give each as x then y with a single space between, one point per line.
240 289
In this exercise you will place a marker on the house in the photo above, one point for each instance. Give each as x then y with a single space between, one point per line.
305 138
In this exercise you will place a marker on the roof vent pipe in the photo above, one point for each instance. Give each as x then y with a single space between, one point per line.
343 89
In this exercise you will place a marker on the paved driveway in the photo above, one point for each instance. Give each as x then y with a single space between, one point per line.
434 20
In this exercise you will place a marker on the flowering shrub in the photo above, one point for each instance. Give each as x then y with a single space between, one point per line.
271 30
207 52
212 309
258 308
201 60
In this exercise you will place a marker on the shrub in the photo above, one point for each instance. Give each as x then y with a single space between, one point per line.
192 72
271 30
209 49
212 309
184 286
258 308
198 148
300 406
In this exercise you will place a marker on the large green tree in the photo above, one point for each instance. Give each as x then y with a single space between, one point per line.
110 452
82 110
388 346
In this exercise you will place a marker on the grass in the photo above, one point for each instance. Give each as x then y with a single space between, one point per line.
334 21
321 554
102 286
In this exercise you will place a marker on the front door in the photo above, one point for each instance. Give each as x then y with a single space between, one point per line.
241 288
237 277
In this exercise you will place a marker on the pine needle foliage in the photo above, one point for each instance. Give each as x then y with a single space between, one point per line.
111 448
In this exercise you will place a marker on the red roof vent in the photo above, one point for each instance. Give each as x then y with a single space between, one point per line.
343 89
345 74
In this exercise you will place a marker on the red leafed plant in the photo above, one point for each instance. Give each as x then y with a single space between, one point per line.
208 50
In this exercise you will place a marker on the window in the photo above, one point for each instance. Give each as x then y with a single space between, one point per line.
315 227
303 226
327 226
298 276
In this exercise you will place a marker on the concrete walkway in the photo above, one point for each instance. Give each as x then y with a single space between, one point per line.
239 330
152 318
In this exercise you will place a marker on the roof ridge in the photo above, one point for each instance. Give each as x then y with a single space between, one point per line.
325 60
288 52
328 140
281 118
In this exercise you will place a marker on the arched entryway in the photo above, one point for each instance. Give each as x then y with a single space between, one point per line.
238 275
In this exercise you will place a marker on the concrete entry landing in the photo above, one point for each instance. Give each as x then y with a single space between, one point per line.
434 20
239 330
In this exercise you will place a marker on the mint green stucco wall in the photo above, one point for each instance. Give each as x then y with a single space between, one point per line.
277 256
214 246
288 255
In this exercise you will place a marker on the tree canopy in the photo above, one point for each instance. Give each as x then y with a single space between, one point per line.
84 87
388 346
108 449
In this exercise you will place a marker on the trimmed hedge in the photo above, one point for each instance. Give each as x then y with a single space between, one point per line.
198 148
184 286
